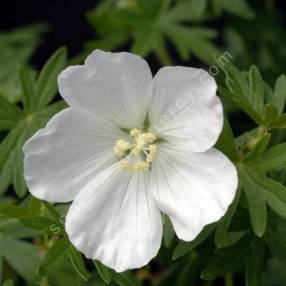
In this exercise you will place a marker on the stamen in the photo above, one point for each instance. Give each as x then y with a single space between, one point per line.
120 147
142 144
134 167
152 153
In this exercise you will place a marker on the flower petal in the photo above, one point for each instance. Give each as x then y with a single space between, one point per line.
116 221
193 189
185 109
62 157
115 85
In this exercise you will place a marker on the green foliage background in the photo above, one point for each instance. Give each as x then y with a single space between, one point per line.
246 54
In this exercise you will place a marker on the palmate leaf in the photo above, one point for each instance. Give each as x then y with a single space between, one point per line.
148 24
17 47
253 96
24 123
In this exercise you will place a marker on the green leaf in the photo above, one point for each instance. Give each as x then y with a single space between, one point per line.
198 6
35 206
27 83
40 223
17 47
18 171
78 263
273 192
256 203
278 99
8 283
280 123
257 146
221 234
46 85
271 114
239 91
22 256
256 89
56 258
226 142
232 258
276 241
13 211
254 264
238 7
125 279
184 248
104 272
168 232
10 114
272 159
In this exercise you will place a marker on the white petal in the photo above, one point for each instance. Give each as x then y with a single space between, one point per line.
185 109
193 189
116 221
115 85
61 158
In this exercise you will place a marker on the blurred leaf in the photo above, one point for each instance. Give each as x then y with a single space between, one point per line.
232 258
237 7
43 224
125 279
46 85
17 47
10 114
33 118
22 256
148 25
184 247
8 283
13 211
276 241
28 91
56 257
254 264
273 158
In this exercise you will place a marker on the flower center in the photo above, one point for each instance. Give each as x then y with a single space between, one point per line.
141 151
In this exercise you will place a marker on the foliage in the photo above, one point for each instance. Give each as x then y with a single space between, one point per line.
248 244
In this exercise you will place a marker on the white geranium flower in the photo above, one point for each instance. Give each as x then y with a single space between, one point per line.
128 148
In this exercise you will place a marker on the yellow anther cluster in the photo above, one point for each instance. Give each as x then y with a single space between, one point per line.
141 139
134 167
142 143
120 147
152 153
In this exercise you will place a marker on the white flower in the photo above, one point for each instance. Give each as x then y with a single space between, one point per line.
128 148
